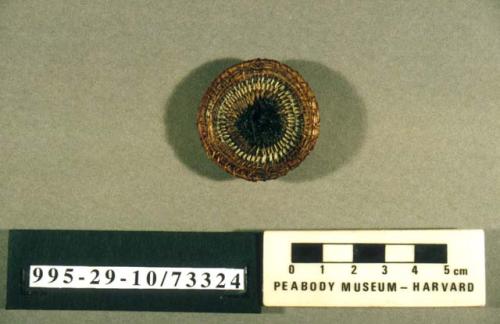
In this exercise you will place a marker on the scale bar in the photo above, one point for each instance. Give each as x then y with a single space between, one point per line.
431 253
307 252
369 253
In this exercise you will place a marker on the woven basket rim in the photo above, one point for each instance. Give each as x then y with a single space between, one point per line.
241 71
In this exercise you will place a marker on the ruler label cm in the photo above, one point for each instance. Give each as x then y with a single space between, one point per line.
384 268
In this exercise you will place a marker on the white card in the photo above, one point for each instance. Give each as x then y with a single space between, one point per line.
374 268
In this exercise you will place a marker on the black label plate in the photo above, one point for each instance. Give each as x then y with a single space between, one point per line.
159 250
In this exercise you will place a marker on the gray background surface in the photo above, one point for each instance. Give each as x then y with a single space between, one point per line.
97 128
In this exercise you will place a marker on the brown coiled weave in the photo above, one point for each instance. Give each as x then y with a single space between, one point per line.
258 119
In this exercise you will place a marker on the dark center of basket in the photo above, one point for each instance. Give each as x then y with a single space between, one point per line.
260 124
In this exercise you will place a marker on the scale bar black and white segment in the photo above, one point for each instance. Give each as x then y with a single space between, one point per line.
368 253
